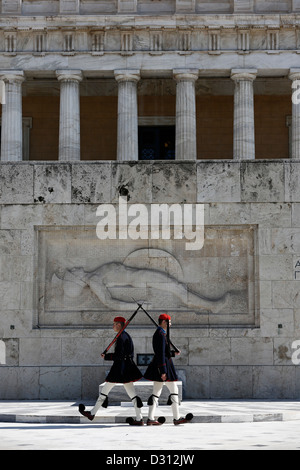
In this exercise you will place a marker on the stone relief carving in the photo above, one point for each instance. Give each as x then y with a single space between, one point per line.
115 284
83 281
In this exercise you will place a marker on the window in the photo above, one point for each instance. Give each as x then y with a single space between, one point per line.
156 138
157 143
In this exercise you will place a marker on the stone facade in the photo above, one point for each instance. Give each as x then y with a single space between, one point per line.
67 64
219 360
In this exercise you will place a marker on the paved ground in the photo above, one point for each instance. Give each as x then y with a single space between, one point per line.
218 425
206 411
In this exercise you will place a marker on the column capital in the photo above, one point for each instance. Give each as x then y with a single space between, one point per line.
69 75
127 75
185 74
243 74
16 76
294 74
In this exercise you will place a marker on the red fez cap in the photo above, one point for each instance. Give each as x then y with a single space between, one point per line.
164 316
120 319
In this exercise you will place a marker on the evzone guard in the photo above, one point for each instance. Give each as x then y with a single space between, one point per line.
123 370
162 371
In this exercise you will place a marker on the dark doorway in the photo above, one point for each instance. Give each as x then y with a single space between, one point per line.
156 142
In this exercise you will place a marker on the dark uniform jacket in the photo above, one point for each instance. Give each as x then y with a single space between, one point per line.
124 369
162 361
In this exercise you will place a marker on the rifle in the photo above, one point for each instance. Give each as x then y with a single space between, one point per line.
121 331
156 324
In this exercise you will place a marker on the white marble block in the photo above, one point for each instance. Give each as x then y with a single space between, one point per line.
185 6
69 6
243 6
127 6
296 5
12 6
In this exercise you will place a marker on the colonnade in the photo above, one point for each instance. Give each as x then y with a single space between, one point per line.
127 145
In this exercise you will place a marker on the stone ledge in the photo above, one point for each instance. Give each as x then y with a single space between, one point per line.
202 181
138 7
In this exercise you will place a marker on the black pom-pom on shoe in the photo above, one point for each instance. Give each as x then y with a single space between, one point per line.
81 407
87 414
161 419
134 422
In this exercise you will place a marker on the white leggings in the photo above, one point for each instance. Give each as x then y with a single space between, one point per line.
157 389
129 387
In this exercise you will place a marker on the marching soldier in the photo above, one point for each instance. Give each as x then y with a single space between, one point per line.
162 371
123 370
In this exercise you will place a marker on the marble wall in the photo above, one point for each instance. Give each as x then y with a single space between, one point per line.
74 7
40 203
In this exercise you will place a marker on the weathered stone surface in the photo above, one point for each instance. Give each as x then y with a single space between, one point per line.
40 351
91 182
131 180
52 183
16 183
174 182
218 361
59 381
262 182
73 7
292 193
211 351
277 322
218 182
251 359
255 351
230 382
19 383
276 381
18 217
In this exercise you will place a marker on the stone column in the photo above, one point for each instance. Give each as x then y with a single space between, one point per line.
127 146
295 77
11 124
69 117
185 145
243 127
